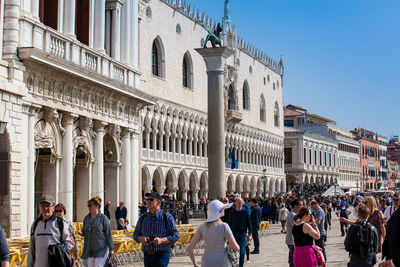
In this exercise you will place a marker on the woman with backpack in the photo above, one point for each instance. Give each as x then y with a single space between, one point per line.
304 232
376 219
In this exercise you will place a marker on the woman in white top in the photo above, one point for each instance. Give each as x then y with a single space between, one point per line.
283 213
215 234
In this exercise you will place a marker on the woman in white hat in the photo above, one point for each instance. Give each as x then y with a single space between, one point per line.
215 234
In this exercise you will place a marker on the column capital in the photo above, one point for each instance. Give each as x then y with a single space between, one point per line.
126 132
68 118
215 57
98 126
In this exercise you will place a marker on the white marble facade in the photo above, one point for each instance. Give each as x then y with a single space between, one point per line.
85 115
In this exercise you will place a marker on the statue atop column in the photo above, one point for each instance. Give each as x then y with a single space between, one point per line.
226 21
213 36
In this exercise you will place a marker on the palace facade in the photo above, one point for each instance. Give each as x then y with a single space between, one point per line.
108 98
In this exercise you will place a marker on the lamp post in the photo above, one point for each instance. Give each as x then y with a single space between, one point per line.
264 179
335 185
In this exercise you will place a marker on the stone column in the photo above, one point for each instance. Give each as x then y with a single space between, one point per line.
167 144
35 8
126 39
69 18
134 44
98 166
99 24
30 200
147 131
184 194
215 59
66 186
115 33
125 175
135 174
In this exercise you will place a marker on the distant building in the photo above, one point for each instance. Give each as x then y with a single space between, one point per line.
371 143
393 175
393 149
349 162
310 158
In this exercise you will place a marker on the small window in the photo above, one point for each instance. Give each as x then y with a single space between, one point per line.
238 62
250 69
184 73
268 79
178 30
262 108
149 13
187 71
288 155
273 86
155 60
265 81
231 98
276 115
246 96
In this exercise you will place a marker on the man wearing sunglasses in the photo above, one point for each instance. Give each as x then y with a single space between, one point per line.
47 230
391 209
157 232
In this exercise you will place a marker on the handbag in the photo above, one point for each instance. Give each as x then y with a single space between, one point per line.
110 262
320 255
233 255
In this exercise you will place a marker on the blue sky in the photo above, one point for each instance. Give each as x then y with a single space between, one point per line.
342 57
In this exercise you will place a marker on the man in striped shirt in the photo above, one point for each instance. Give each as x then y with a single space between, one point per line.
157 232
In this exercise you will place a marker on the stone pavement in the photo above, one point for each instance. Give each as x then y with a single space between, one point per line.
274 251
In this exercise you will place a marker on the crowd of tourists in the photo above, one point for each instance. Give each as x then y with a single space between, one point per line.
230 229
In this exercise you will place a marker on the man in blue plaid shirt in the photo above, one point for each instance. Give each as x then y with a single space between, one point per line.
156 230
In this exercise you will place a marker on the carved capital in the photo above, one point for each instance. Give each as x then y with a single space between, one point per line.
99 126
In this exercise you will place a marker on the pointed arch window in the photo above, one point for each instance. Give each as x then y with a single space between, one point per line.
246 96
157 58
262 108
187 71
231 98
276 115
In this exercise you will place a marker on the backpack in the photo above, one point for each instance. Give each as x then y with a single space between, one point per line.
60 224
362 242
343 213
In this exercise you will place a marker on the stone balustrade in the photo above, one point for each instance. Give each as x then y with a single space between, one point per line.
48 40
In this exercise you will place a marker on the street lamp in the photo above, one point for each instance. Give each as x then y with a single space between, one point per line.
264 179
335 185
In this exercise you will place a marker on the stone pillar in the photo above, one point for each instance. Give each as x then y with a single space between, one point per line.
147 131
99 24
125 175
115 33
66 186
134 44
69 18
30 200
167 144
98 166
126 33
135 174
215 59
184 194
35 8
160 189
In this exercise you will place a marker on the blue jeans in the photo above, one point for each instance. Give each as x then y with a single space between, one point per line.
254 233
241 239
291 251
157 260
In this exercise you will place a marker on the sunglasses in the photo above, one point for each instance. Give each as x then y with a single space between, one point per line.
89 205
150 199
59 211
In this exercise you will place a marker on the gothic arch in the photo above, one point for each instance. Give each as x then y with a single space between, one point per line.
230 184
246 96
238 184
246 184
158 57
187 71
277 185
146 179
194 183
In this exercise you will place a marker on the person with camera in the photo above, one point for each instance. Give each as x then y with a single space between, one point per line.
157 232
362 240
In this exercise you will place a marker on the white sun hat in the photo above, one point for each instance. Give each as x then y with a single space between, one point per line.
215 210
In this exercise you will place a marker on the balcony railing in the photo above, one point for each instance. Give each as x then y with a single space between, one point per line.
35 34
